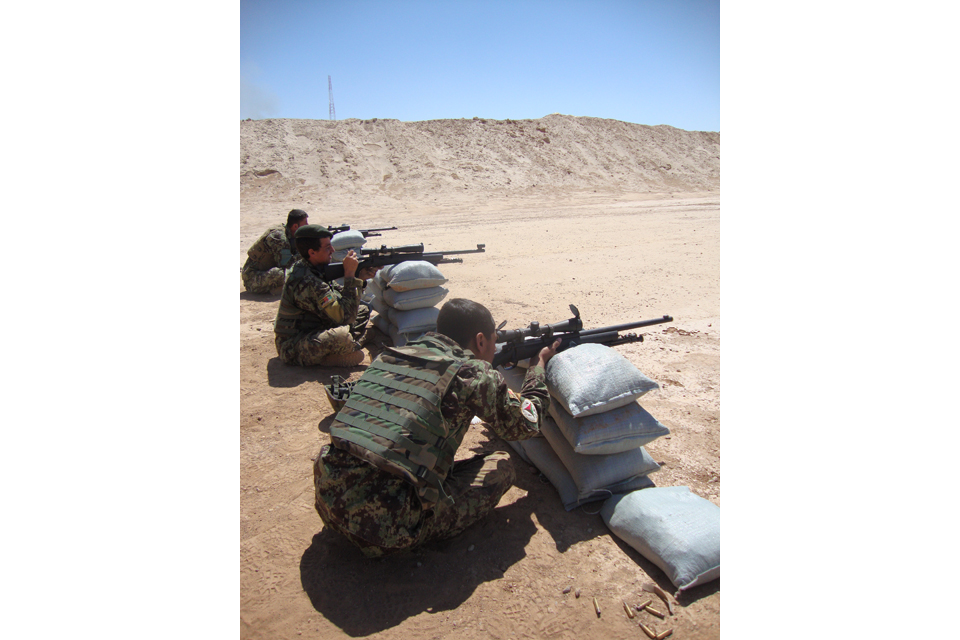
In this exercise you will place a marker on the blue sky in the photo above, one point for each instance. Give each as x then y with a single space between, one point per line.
648 62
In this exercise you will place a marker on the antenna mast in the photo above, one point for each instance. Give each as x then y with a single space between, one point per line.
333 112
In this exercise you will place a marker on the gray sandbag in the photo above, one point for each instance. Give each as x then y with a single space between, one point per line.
381 307
377 282
616 431
415 298
346 240
380 322
374 286
671 527
596 473
539 453
414 320
396 338
593 378
413 274
516 446
595 476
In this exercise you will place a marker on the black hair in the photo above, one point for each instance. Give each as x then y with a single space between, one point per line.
461 320
295 216
311 242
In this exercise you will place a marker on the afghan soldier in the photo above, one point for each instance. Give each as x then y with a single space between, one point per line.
271 254
319 322
389 481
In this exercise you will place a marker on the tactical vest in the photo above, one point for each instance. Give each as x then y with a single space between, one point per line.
393 419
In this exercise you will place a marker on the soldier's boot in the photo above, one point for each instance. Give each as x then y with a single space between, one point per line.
343 360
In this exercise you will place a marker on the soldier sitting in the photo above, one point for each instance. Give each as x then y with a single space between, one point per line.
319 322
389 481
271 255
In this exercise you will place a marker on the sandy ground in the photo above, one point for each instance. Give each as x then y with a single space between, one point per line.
619 255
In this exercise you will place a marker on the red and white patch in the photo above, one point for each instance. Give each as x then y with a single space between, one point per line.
528 410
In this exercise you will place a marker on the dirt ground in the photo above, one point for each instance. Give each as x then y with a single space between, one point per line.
618 256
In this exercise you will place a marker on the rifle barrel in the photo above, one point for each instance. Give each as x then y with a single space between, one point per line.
481 248
629 325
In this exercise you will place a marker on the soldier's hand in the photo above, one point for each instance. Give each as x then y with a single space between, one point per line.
367 272
546 353
350 263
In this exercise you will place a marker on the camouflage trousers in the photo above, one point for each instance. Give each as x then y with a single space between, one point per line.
256 281
307 350
381 513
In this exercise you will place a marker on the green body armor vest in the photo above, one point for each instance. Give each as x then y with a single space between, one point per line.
393 419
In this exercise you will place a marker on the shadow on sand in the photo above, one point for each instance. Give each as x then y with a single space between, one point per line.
284 375
363 596
260 297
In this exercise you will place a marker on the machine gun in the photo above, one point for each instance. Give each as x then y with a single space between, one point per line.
395 255
366 232
520 344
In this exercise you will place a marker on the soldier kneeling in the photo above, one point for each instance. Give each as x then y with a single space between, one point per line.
389 481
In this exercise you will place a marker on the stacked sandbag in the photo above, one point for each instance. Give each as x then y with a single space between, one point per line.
343 242
592 449
593 438
405 296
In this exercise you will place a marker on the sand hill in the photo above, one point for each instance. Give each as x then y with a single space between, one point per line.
378 159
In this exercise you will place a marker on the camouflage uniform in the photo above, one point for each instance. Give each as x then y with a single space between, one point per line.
316 318
270 255
381 512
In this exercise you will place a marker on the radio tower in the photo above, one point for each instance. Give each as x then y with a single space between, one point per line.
333 112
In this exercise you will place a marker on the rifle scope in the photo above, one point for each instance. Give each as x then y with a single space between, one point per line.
534 330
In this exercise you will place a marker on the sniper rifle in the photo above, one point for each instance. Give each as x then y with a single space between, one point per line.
366 232
395 255
520 344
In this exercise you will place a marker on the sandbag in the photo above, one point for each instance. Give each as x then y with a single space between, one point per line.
671 527
347 240
413 274
338 256
397 337
615 431
414 320
415 298
593 378
539 453
596 473
594 476
381 323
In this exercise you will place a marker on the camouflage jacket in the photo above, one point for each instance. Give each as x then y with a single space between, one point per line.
309 303
373 503
274 248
